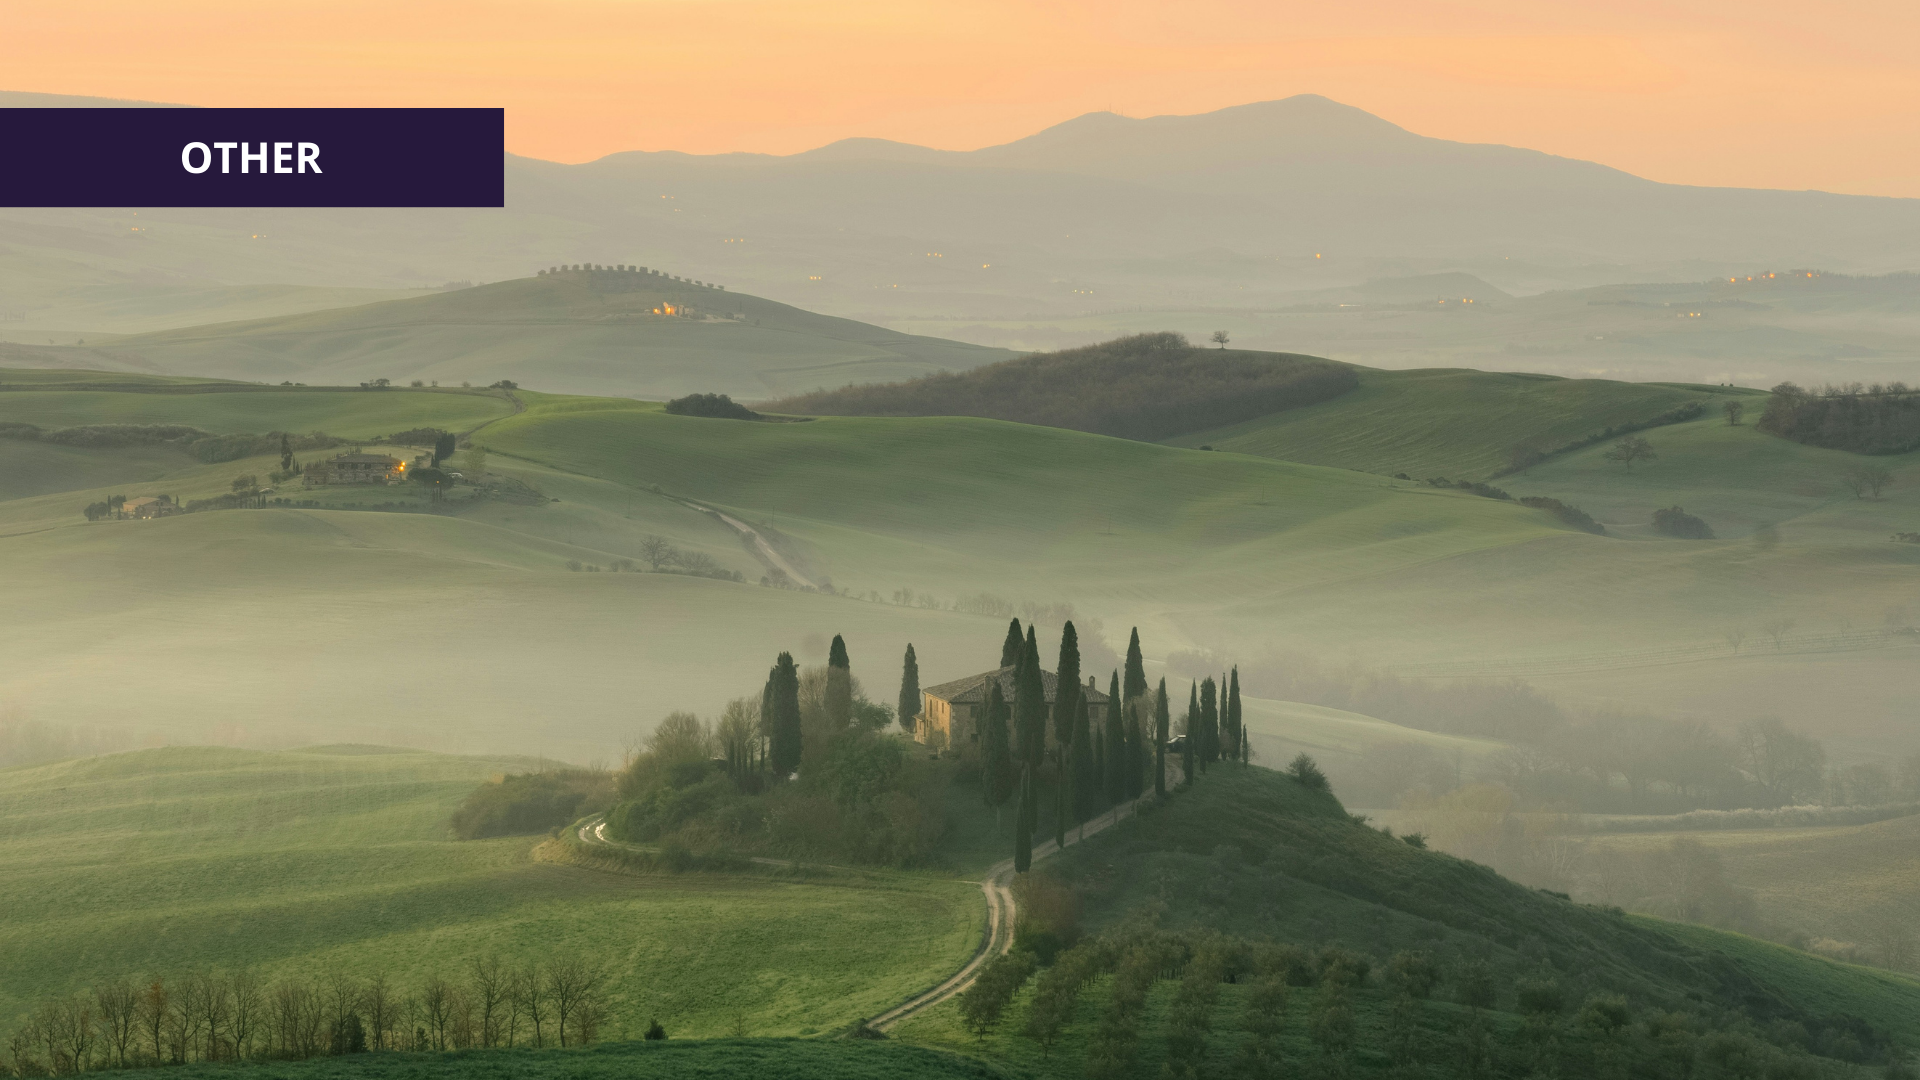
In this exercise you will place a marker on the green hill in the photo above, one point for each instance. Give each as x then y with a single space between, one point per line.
1464 425
577 331
1249 854
171 861
1149 386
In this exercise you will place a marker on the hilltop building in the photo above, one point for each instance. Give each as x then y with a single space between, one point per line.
356 468
949 711
148 506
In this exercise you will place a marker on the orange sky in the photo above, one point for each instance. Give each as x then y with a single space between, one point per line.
1761 93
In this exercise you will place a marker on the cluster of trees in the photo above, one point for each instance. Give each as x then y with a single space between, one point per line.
1352 1003
531 802
1673 521
1876 419
716 406
805 769
1148 386
239 1016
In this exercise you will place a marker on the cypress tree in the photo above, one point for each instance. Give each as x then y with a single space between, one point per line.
997 775
1189 749
1099 732
1209 725
286 453
1010 649
784 725
1066 707
1136 750
1023 823
909 690
1161 722
1116 743
1082 772
1234 725
839 701
1135 686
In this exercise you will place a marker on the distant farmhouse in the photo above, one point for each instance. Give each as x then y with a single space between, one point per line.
149 506
357 468
949 712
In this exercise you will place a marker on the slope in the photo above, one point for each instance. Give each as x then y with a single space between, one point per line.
1445 422
166 862
608 332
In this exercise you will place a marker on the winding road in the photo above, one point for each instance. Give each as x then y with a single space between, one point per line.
996 887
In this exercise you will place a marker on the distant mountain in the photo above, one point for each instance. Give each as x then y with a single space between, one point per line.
620 333
1238 207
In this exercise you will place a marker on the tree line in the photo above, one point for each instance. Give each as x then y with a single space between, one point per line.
1146 386
235 1016
1876 419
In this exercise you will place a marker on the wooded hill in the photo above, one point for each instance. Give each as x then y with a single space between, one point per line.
1147 386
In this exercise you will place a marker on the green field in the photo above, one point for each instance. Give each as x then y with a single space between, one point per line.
347 413
1463 425
557 333
163 862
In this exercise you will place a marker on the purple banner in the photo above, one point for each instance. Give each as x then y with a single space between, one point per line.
252 157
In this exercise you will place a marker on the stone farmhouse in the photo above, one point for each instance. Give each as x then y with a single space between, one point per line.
356 468
949 711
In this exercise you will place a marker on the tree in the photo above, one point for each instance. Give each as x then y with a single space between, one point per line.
1189 746
1134 684
443 446
286 453
1083 770
1116 745
1787 765
1023 823
1734 409
1631 449
1237 732
783 691
1066 686
1010 648
658 552
1867 480
839 697
909 705
1161 723
1209 749
1030 738
998 778
1220 338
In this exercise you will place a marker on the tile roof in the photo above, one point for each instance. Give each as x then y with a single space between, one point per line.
973 689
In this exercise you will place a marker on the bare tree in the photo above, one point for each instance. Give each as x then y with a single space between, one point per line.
210 994
1736 637
1219 338
382 1012
490 993
658 552
530 988
117 1004
1735 408
436 999
1867 480
249 1011
1631 449
566 980
1776 630
155 1016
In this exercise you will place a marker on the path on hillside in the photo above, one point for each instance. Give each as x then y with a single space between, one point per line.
996 888
760 546
512 399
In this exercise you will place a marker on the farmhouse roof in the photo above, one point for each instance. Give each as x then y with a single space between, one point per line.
376 459
972 690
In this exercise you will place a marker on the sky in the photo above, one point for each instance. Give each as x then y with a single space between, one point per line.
1747 93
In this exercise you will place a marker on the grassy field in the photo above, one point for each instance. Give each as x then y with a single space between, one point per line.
1460 424
704 1059
347 413
1851 883
172 860
557 332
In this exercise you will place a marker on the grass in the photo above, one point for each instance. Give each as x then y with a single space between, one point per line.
161 862
1460 424
557 332
675 1059
347 413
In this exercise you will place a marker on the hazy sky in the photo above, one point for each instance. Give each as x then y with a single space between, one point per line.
1762 93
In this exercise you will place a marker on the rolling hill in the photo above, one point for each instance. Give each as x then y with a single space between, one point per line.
586 332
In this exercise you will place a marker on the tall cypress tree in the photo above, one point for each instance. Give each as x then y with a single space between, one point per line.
1116 744
1190 749
784 725
1234 725
1134 688
909 705
1099 777
1161 722
1209 725
1066 704
998 777
1136 750
839 687
1081 767
1030 738
1010 648
1023 823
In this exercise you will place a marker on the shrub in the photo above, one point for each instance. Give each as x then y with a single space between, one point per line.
1413 973
1307 774
528 803
1674 521
983 1003
1568 515
716 406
